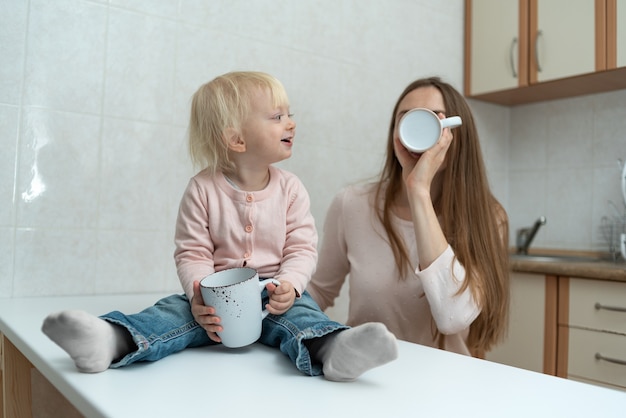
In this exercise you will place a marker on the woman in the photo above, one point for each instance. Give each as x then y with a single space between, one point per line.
425 246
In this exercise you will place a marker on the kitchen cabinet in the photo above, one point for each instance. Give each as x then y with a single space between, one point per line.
616 33
592 331
523 51
531 337
499 55
561 47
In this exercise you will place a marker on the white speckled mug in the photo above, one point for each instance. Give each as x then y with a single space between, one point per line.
236 296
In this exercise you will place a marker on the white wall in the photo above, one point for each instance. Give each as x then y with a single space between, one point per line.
94 105
93 109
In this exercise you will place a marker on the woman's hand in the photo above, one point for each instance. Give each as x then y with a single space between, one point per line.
205 315
419 170
281 297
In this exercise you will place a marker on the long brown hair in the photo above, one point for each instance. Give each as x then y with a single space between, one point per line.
474 223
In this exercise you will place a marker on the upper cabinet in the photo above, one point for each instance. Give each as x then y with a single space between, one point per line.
522 51
616 33
497 38
568 38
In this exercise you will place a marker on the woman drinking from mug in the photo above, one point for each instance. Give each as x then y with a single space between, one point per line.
425 246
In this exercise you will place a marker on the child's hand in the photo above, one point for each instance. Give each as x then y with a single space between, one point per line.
205 315
281 297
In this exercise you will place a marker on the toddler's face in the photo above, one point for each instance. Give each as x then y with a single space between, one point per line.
268 131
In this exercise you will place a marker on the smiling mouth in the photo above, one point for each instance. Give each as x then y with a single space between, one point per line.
287 140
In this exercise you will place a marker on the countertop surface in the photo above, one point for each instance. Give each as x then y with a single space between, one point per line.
258 381
601 269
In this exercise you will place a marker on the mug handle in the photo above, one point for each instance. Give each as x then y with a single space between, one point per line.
451 122
262 284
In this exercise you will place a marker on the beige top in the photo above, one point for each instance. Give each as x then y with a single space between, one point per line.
411 307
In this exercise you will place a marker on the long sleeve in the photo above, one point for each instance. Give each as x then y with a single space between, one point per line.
333 265
452 311
194 244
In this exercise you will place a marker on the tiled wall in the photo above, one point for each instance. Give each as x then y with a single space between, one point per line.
94 104
564 165
93 108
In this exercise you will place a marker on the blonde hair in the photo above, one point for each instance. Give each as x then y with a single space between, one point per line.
224 103
474 223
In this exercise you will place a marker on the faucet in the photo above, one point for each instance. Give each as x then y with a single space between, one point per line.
526 235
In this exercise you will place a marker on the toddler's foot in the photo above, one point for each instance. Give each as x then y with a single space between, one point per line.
91 342
352 352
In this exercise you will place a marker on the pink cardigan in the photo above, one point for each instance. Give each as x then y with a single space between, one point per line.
271 230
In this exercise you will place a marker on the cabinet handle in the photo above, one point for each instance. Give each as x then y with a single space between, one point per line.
512 56
539 34
610 360
599 306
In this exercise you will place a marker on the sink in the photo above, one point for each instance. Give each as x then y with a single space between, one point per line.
554 258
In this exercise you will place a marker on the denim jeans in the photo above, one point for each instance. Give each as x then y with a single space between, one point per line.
168 327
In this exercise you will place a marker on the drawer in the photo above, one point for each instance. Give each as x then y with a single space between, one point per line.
585 295
582 361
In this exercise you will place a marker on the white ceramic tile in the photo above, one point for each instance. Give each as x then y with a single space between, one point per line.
610 129
569 195
570 134
330 35
8 157
183 170
135 261
137 171
65 55
607 203
7 251
529 137
499 184
325 174
492 122
250 19
202 54
220 15
526 202
58 170
54 262
140 66
13 19
163 8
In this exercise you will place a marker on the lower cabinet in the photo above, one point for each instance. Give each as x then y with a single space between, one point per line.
592 331
526 339
573 328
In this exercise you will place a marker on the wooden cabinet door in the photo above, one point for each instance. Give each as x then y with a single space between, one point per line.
620 34
567 38
496 45
616 33
524 345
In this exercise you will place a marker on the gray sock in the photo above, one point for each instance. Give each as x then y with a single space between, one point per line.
348 354
91 342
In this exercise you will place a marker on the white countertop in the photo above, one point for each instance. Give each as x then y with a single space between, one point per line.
258 381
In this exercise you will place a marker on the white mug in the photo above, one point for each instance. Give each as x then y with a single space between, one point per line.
622 244
420 128
236 296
